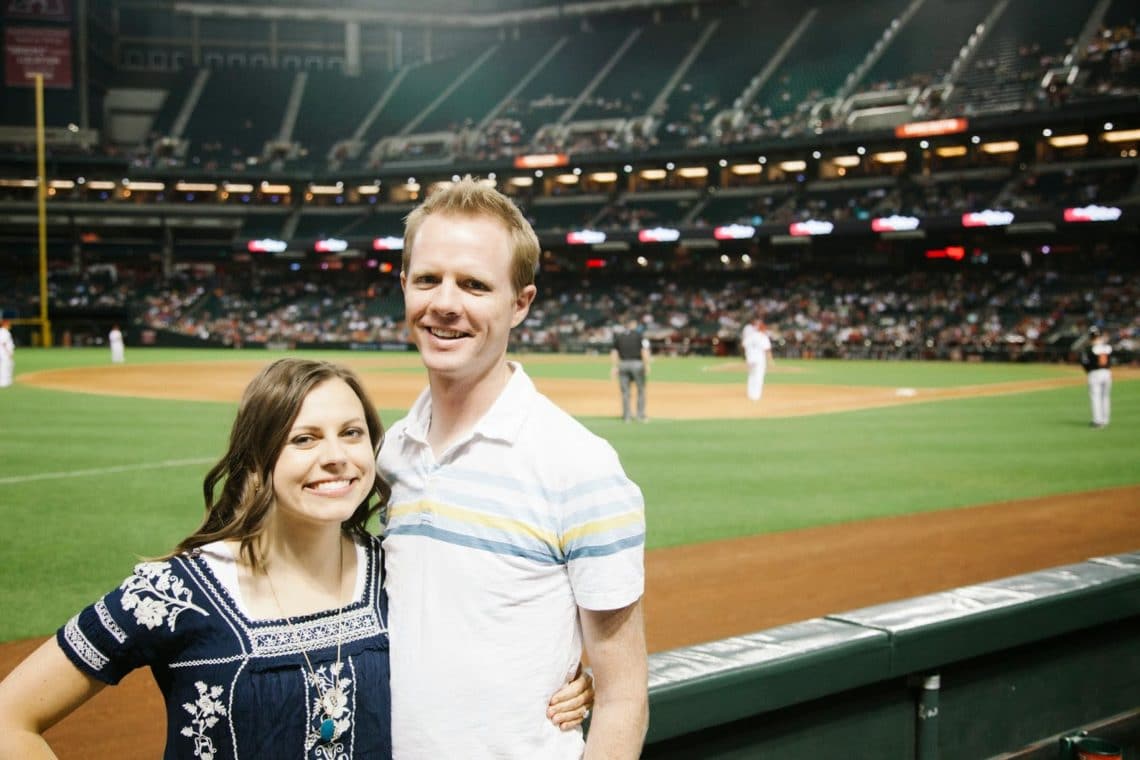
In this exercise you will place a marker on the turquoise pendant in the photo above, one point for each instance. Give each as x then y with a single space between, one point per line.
327 729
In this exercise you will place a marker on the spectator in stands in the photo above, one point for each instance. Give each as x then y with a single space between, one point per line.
494 493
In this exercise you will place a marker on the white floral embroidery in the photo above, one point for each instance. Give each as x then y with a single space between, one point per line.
82 646
157 595
331 701
109 622
205 712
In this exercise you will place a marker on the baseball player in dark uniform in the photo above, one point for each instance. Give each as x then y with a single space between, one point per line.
1097 360
630 364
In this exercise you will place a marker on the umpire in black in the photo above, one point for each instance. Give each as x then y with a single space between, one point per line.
630 363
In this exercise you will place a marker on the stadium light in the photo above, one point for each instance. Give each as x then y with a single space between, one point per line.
271 189
368 189
604 176
62 184
522 181
196 187
237 187
793 166
846 161
1002 146
97 184
1069 141
693 172
890 157
567 179
951 151
24 183
1124 135
653 174
336 189
146 186
745 169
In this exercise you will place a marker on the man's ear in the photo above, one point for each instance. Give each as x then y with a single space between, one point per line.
403 280
522 304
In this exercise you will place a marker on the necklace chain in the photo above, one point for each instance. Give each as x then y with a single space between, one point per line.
328 724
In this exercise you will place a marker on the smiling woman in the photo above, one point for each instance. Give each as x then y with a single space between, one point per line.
291 496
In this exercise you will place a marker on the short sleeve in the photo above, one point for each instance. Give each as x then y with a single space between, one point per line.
604 536
136 625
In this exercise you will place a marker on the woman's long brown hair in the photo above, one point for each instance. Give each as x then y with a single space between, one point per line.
269 406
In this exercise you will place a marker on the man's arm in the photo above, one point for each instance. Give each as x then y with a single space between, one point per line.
645 355
614 357
615 646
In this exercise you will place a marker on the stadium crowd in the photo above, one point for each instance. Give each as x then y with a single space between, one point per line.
968 313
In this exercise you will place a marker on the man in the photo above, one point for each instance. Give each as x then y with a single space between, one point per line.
7 354
513 537
757 355
1097 360
630 364
115 340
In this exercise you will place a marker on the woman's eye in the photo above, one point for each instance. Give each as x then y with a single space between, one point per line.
302 440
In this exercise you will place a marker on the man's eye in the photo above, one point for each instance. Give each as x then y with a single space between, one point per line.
477 285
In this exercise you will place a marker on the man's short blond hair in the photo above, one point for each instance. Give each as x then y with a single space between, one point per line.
471 198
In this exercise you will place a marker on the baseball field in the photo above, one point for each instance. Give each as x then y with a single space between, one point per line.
849 484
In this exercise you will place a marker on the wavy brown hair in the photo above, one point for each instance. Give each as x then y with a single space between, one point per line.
269 407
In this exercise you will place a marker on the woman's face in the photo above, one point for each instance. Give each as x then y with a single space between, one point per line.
327 466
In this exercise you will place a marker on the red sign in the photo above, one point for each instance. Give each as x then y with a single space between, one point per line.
931 128
541 161
30 50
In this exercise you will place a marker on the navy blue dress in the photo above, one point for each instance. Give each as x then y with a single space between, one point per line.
240 688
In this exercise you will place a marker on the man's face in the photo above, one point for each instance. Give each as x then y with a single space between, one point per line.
459 302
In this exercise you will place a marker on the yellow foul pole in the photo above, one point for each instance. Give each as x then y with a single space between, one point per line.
41 169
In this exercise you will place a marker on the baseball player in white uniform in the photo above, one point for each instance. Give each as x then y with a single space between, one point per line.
1097 359
115 339
7 354
757 354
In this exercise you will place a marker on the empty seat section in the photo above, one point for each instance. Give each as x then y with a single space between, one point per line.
641 73
488 85
384 221
237 113
262 225
318 225
719 74
562 80
333 107
817 66
925 48
416 91
176 92
563 216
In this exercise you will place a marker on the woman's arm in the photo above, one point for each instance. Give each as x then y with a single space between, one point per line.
41 691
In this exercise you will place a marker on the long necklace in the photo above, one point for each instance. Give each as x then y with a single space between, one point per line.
331 699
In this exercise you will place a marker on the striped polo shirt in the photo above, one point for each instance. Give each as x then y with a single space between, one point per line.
490 550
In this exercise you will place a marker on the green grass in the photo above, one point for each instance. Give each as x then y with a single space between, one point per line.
71 535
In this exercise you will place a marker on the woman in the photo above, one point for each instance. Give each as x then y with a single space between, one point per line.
266 629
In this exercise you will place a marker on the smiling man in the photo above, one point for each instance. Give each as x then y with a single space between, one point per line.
513 538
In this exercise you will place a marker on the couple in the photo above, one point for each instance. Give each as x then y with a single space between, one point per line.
512 541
